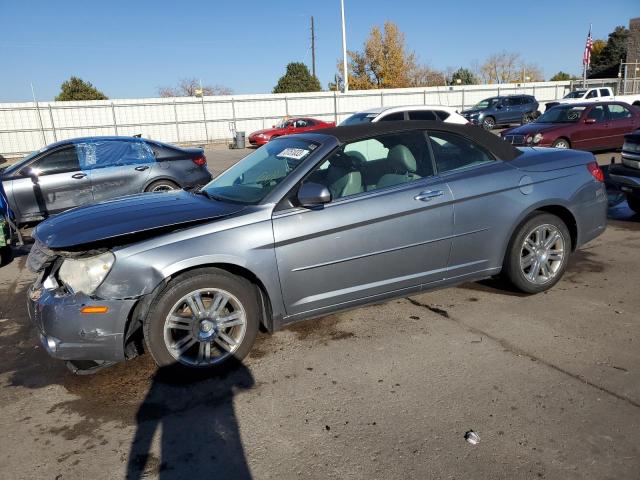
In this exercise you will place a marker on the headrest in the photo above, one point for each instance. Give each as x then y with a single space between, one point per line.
402 159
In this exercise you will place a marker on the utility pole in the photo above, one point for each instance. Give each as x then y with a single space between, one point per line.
313 48
344 50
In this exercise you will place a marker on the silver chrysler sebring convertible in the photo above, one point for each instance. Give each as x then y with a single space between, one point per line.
305 226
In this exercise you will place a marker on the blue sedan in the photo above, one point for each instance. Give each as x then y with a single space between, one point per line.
80 171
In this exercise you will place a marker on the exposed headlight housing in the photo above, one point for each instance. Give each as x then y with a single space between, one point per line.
86 274
537 138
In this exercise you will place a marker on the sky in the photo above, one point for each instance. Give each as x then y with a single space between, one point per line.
128 49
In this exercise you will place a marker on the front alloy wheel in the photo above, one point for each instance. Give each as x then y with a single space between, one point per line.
205 327
204 319
488 123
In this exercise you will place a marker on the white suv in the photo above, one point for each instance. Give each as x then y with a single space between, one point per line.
414 112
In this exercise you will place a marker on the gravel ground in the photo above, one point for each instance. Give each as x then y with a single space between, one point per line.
551 383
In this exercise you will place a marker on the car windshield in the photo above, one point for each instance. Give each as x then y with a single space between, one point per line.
563 114
486 103
576 94
283 123
252 178
359 118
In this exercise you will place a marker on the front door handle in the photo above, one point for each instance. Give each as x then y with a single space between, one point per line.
78 176
428 195
142 168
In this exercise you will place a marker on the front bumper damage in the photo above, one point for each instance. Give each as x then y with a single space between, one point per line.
68 334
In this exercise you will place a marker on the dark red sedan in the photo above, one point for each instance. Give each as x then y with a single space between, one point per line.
583 126
287 127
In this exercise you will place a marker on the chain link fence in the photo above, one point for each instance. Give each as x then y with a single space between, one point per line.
25 127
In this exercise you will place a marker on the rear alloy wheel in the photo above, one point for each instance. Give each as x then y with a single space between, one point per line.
162 186
634 203
488 123
538 254
205 319
561 143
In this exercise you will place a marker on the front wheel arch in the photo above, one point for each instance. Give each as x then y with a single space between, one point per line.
142 308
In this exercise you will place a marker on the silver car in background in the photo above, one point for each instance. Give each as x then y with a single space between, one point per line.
307 225
80 171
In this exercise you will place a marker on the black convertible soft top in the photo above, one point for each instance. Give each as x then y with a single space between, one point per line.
493 143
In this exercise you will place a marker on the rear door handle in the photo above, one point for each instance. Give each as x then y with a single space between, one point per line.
142 168
78 176
428 195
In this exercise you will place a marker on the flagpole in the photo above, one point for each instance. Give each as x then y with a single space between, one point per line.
586 60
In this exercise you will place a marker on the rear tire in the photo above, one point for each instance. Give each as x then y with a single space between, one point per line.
634 203
162 186
538 253
185 329
561 143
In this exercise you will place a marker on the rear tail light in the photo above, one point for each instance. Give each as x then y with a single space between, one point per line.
596 171
201 161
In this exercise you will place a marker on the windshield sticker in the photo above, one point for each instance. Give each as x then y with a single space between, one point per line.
293 153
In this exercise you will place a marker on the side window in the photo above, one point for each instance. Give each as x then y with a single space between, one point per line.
422 115
114 153
65 160
393 117
375 163
442 116
604 92
598 113
300 124
453 152
592 94
506 102
618 112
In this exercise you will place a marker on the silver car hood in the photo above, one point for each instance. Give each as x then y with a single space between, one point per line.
108 222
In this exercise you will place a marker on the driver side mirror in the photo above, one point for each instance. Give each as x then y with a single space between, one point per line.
313 194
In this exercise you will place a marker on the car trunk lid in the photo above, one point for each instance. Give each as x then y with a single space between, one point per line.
540 159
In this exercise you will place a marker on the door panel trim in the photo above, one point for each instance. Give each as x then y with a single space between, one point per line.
379 252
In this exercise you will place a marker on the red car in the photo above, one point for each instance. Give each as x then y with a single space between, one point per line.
287 127
584 126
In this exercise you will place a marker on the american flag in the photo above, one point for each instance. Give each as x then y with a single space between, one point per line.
586 57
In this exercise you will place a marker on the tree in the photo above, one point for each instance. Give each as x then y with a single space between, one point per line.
465 76
190 87
77 89
561 76
385 62
297 79
508 67
606 63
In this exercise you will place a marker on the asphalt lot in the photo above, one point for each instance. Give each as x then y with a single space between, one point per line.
551 383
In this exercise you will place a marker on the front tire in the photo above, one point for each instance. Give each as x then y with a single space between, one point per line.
488 123
561 143
634 203
538 253
204 320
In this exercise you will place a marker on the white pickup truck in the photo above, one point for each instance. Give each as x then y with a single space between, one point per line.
595 94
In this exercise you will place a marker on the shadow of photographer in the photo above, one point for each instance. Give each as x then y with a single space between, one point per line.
196 424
